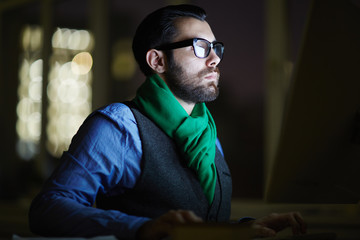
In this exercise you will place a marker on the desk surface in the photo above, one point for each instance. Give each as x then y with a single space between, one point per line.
342 219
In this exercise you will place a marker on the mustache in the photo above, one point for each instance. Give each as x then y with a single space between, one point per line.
207 71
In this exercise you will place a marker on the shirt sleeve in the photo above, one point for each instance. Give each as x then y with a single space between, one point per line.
103 158
218 145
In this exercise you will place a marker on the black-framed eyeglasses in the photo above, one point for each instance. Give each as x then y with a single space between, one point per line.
202 47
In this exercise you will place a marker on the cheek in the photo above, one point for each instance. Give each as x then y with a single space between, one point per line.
188 67
193 67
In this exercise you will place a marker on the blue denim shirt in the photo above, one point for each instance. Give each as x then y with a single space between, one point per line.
103 158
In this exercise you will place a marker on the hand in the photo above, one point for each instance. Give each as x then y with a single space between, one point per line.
162 226
268 226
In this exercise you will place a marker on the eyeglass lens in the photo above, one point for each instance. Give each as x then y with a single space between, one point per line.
202 48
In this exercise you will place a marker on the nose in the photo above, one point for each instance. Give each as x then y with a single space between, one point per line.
213 59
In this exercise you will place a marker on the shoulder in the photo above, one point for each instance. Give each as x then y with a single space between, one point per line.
115 111
111 121
119 113
112 124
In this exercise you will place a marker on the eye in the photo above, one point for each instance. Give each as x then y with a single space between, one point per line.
200 51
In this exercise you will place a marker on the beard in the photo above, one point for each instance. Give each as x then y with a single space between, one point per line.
190 88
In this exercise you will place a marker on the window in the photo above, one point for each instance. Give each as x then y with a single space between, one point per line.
68 91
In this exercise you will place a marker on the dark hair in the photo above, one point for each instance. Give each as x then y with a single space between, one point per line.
159 28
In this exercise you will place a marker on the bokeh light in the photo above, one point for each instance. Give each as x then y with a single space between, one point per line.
82 63
68 90
28 125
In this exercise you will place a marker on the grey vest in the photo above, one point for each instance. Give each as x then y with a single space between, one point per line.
166 183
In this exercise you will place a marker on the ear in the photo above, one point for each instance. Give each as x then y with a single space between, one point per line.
156 60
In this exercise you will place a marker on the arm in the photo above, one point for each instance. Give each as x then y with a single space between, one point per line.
62 216
103 158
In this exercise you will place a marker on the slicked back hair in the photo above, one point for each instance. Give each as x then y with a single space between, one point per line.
159 28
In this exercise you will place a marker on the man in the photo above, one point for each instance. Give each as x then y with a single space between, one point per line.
154 162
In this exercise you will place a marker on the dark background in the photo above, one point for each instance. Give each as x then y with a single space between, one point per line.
239 111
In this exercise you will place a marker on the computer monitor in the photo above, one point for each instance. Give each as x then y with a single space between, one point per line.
318 154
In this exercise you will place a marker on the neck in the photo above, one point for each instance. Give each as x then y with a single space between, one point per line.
186 105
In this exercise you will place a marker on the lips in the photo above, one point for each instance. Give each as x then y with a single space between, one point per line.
212 76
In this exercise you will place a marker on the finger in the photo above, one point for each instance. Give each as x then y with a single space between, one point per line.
191 217
174 217
261 231
181 217
301 222
295 222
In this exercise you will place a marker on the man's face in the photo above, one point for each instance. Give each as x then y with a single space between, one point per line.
190 78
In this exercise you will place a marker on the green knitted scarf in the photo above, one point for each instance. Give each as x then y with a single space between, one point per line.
195 135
